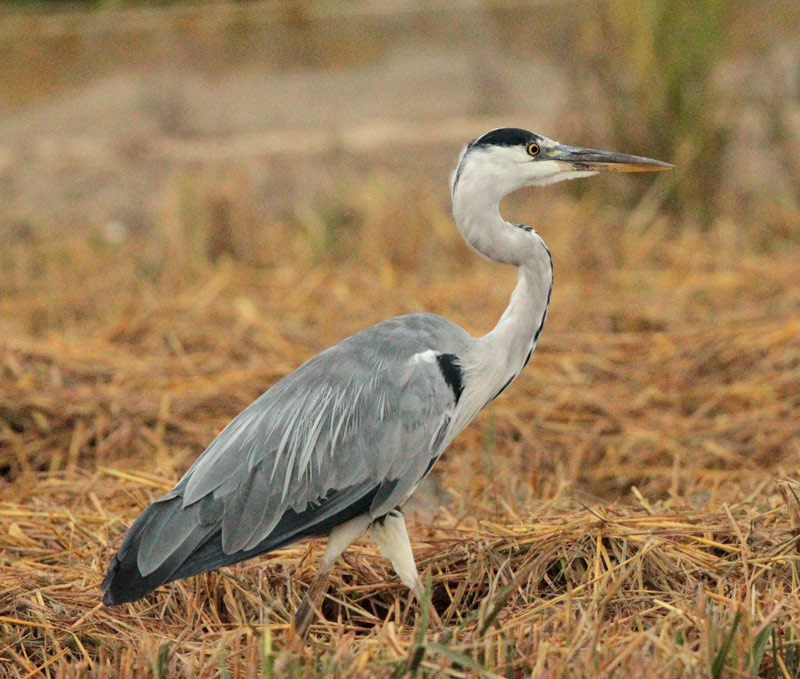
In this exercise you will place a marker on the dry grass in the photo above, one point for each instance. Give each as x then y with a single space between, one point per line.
629 508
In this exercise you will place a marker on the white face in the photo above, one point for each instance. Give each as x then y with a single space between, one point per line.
505 160
509 168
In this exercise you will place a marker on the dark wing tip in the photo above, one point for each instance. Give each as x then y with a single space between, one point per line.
124 583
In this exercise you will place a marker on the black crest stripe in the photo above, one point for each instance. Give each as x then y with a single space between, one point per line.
507 136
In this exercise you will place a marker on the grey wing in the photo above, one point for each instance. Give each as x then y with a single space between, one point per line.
363 420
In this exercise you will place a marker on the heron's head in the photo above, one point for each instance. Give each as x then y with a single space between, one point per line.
508 159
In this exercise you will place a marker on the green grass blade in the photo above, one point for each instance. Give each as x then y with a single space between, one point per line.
160 662
722 655
758 650
462 660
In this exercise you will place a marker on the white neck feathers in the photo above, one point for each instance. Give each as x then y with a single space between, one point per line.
501 354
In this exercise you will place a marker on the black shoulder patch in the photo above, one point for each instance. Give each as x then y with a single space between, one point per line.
506 136
524 227
450 366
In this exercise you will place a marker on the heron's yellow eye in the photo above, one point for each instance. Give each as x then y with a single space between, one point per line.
533 149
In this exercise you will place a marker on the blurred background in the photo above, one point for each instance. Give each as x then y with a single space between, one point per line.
105 103
194 198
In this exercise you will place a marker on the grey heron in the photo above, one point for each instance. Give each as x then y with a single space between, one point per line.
337 446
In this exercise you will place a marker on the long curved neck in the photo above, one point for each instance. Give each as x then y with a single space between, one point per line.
500 355
476 210
521 323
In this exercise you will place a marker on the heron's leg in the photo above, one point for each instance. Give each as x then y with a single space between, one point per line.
391 536
339 540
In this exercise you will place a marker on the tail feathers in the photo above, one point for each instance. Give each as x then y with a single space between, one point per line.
200 552
198 547
124 581
292 527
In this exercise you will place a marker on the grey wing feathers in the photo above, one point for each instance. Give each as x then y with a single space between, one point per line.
360 422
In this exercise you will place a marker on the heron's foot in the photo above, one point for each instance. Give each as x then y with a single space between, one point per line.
391 535
434 621
338 541
309 606
303 617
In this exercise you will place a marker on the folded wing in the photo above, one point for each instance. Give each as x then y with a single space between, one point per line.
351 431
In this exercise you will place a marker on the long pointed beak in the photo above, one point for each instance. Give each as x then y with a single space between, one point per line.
591 160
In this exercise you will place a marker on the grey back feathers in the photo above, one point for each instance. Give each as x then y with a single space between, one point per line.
352 430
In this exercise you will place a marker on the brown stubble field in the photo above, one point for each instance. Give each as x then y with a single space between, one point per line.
631 505
171 246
